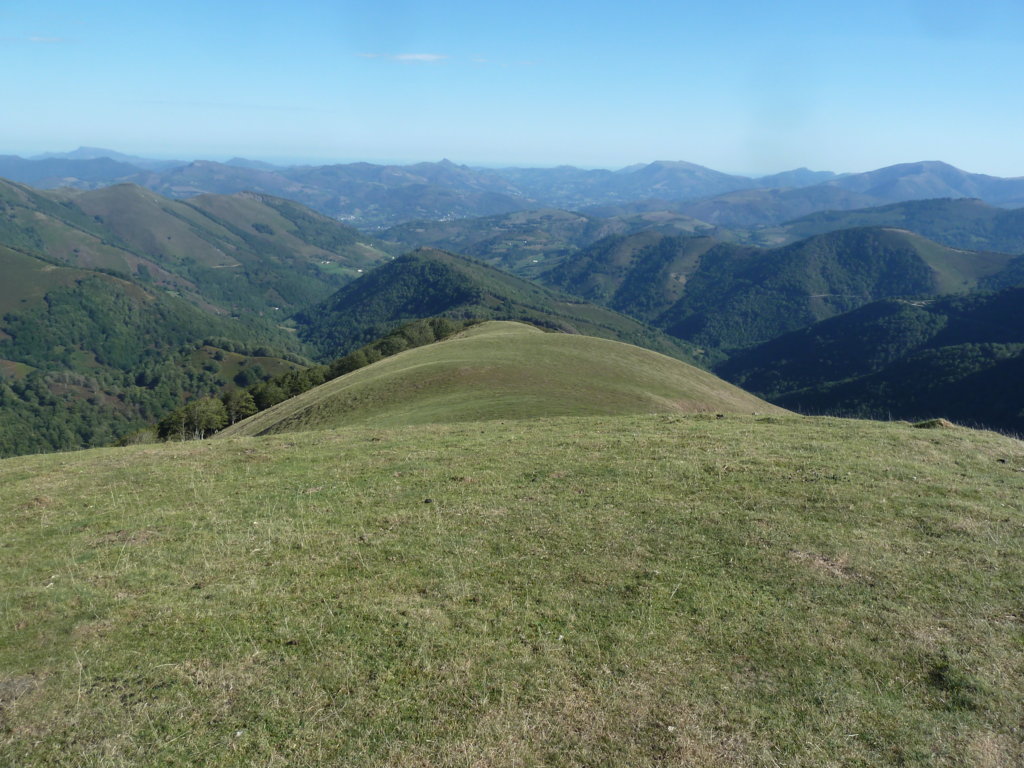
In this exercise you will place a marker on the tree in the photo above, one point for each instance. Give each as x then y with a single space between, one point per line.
194 421
238 404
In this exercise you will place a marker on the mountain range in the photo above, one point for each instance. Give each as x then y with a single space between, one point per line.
123 301
371 195
512 524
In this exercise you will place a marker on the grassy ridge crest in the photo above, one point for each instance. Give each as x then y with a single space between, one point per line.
505 370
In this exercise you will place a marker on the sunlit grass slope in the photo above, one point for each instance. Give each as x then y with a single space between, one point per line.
505 370
607 591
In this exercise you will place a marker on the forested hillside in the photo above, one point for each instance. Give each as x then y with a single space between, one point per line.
86 357
959 357
959 223
117 305
725 297
427 283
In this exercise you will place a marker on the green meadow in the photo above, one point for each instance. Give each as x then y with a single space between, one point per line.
632 590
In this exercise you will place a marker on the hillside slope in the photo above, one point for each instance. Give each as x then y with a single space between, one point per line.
628 591
243 253
642 274
724 296
86 357
502 370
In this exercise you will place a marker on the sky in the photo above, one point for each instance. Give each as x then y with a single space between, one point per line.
742 87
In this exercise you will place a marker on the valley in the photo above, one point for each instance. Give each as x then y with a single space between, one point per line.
123 303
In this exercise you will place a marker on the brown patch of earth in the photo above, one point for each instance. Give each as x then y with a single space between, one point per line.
823 563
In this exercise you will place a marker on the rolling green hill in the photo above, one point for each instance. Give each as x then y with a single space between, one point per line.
958 357
430 283
244 254
958 223
502 370
605 591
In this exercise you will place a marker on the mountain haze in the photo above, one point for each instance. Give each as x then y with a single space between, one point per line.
371 195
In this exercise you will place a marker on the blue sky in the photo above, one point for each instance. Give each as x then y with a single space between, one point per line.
747 87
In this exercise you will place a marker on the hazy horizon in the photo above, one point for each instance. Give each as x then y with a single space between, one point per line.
285 162
756 90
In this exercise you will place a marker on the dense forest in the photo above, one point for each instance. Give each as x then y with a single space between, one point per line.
960 357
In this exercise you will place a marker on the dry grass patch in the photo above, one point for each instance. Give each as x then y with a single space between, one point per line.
832 566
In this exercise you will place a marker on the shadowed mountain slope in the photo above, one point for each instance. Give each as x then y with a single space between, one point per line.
958 357
725 296
737 298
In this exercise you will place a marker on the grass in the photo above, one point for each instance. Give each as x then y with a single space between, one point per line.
230 364
28 279
505 370
11 370
605 591
957 271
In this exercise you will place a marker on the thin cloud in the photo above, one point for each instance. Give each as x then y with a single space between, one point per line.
423 58
427 57
47 40
224 105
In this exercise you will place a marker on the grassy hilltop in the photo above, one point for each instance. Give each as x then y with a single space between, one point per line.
603 591
506 370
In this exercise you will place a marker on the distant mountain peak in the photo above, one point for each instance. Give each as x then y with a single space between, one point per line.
255 165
